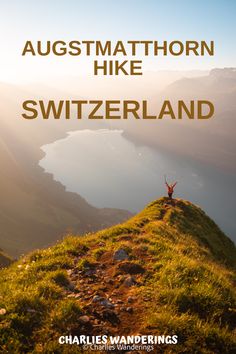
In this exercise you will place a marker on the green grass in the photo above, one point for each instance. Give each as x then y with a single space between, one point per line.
187 287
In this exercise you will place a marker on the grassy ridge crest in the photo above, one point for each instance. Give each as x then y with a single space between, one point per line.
167 270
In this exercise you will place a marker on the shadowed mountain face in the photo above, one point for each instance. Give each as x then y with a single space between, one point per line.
168 270
5 260
211 141
35 210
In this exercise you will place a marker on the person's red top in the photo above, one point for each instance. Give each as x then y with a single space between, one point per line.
171 187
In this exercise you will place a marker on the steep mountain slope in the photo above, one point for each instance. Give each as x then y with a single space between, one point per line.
5 260
168 270
35 211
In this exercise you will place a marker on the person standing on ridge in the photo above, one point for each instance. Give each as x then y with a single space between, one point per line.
170 188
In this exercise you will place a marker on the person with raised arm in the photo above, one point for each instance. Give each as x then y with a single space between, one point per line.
170 188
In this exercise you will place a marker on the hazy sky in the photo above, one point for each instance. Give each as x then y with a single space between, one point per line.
116 20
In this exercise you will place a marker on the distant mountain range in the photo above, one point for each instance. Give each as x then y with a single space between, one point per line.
211 141
35 210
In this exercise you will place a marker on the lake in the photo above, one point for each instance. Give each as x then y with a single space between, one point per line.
110 171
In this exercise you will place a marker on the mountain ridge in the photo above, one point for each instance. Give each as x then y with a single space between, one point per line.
167 270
